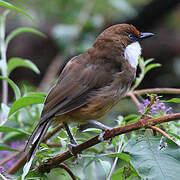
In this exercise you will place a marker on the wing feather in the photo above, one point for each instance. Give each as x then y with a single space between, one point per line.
77 81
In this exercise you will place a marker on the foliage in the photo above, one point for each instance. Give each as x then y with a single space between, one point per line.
136 155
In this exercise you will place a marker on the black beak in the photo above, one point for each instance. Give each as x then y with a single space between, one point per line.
146 35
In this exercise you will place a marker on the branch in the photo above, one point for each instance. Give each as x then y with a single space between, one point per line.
155 91
134 98
9 157
22 160
65 167
162 132
142 123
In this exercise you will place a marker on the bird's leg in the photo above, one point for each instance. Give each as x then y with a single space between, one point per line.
72 140
72 143
101 126
71 137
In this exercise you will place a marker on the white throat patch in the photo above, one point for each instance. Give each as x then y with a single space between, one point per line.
132 53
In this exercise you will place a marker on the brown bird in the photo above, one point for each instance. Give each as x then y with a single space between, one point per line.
92 82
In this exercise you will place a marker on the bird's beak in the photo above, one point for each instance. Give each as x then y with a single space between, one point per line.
146 35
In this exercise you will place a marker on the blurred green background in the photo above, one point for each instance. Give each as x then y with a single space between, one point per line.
71 27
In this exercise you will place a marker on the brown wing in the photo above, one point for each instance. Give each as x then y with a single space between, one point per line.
77 81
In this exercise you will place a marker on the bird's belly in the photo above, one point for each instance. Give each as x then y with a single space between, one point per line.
97 107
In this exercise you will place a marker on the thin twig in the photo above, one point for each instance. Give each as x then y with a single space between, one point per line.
134 98
155 91
54 131
65 167
9 157
53 144
22 160
142 123
19 163
3 50
162 132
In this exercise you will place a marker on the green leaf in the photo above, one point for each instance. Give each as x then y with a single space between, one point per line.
13 85
151 66
6 148
118 175
12 135
175 135
153 162
8 129
35 175
174 100
92 130
23 30
10 6
122 156
37 94
148 61
106 166
25 101
19 62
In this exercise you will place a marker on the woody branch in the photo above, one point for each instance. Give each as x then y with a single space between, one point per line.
142 123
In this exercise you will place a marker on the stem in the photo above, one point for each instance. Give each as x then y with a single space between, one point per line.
162 132
116 159
4 60
3 178
68 170
155 91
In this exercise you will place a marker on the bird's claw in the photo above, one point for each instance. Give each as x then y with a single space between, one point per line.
76 156
101 136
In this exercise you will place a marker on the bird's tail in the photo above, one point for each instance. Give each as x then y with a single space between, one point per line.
34 142
36 137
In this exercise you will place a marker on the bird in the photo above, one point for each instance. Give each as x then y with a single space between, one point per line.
91 83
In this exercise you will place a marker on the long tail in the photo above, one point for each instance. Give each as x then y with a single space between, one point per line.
34 142
36 137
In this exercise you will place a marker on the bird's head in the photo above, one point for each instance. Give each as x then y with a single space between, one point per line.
123 39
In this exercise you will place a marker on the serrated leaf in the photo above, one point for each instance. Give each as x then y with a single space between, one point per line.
9 129
10 6
151 66
13 85
19 62
23 30
6 148
25 101
152 162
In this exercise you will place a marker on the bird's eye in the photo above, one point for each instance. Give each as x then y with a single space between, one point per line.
131 36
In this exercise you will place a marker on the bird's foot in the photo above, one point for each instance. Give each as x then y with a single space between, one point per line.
100 126
71 145
101 136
